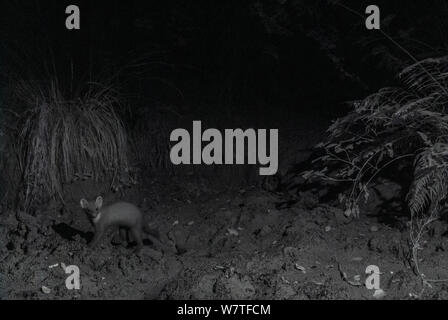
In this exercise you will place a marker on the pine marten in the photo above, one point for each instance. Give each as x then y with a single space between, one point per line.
120 214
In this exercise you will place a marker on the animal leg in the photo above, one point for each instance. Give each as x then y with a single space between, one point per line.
137 234
97 237
120 237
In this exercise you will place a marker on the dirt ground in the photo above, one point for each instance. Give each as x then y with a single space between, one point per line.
234 245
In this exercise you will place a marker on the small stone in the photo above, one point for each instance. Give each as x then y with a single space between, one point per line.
46 290
379 294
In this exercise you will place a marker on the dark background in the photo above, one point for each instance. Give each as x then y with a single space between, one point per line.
259 58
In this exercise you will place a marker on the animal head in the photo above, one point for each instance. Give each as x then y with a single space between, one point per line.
92 208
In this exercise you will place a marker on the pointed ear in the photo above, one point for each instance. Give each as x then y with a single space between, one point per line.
99 202
84 203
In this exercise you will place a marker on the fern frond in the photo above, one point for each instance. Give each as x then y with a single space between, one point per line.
430 184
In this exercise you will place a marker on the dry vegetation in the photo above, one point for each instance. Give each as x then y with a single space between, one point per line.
58 139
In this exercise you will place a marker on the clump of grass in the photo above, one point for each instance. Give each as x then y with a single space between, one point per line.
60 139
